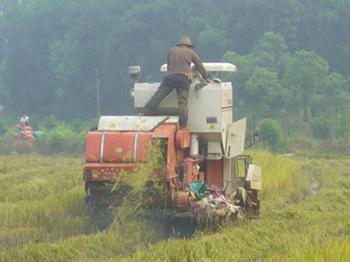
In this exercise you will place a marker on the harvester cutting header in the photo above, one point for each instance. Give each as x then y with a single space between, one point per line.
204 165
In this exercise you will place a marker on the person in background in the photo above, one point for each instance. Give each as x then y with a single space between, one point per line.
24 131
179 77
24 120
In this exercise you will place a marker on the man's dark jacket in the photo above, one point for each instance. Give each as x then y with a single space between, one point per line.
180 58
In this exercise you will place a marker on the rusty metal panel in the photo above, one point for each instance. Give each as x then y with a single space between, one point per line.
93 147
168 132
214 174
119 147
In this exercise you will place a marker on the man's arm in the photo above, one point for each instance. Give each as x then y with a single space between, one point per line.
197 62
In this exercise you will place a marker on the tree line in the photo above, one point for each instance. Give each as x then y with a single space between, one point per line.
293 56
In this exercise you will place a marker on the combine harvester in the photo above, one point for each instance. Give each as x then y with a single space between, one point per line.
205 171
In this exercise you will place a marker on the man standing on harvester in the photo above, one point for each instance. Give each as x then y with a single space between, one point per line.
179 77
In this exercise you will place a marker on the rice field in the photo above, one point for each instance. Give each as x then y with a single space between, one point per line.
43 217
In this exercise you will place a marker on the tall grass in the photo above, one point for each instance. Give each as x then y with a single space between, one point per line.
45 218
40 199
282 178
283 231
43 215
335 250
37 177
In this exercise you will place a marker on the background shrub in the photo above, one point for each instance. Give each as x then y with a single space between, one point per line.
271 135
321 128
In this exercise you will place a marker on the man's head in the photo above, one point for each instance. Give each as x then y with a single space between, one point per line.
185 40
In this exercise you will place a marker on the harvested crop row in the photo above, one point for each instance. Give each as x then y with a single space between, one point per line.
282 232
33 177
121 239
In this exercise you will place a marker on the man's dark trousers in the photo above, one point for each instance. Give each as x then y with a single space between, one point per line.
170 82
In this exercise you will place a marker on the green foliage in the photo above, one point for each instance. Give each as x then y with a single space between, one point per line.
50 122
321 128
64 139
35 122
293 88
291 62
305 74
63 59
213 37
271 51
58 137
342 128
60 44
271 134
265 93
56 140
77 125
3 128
301 144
